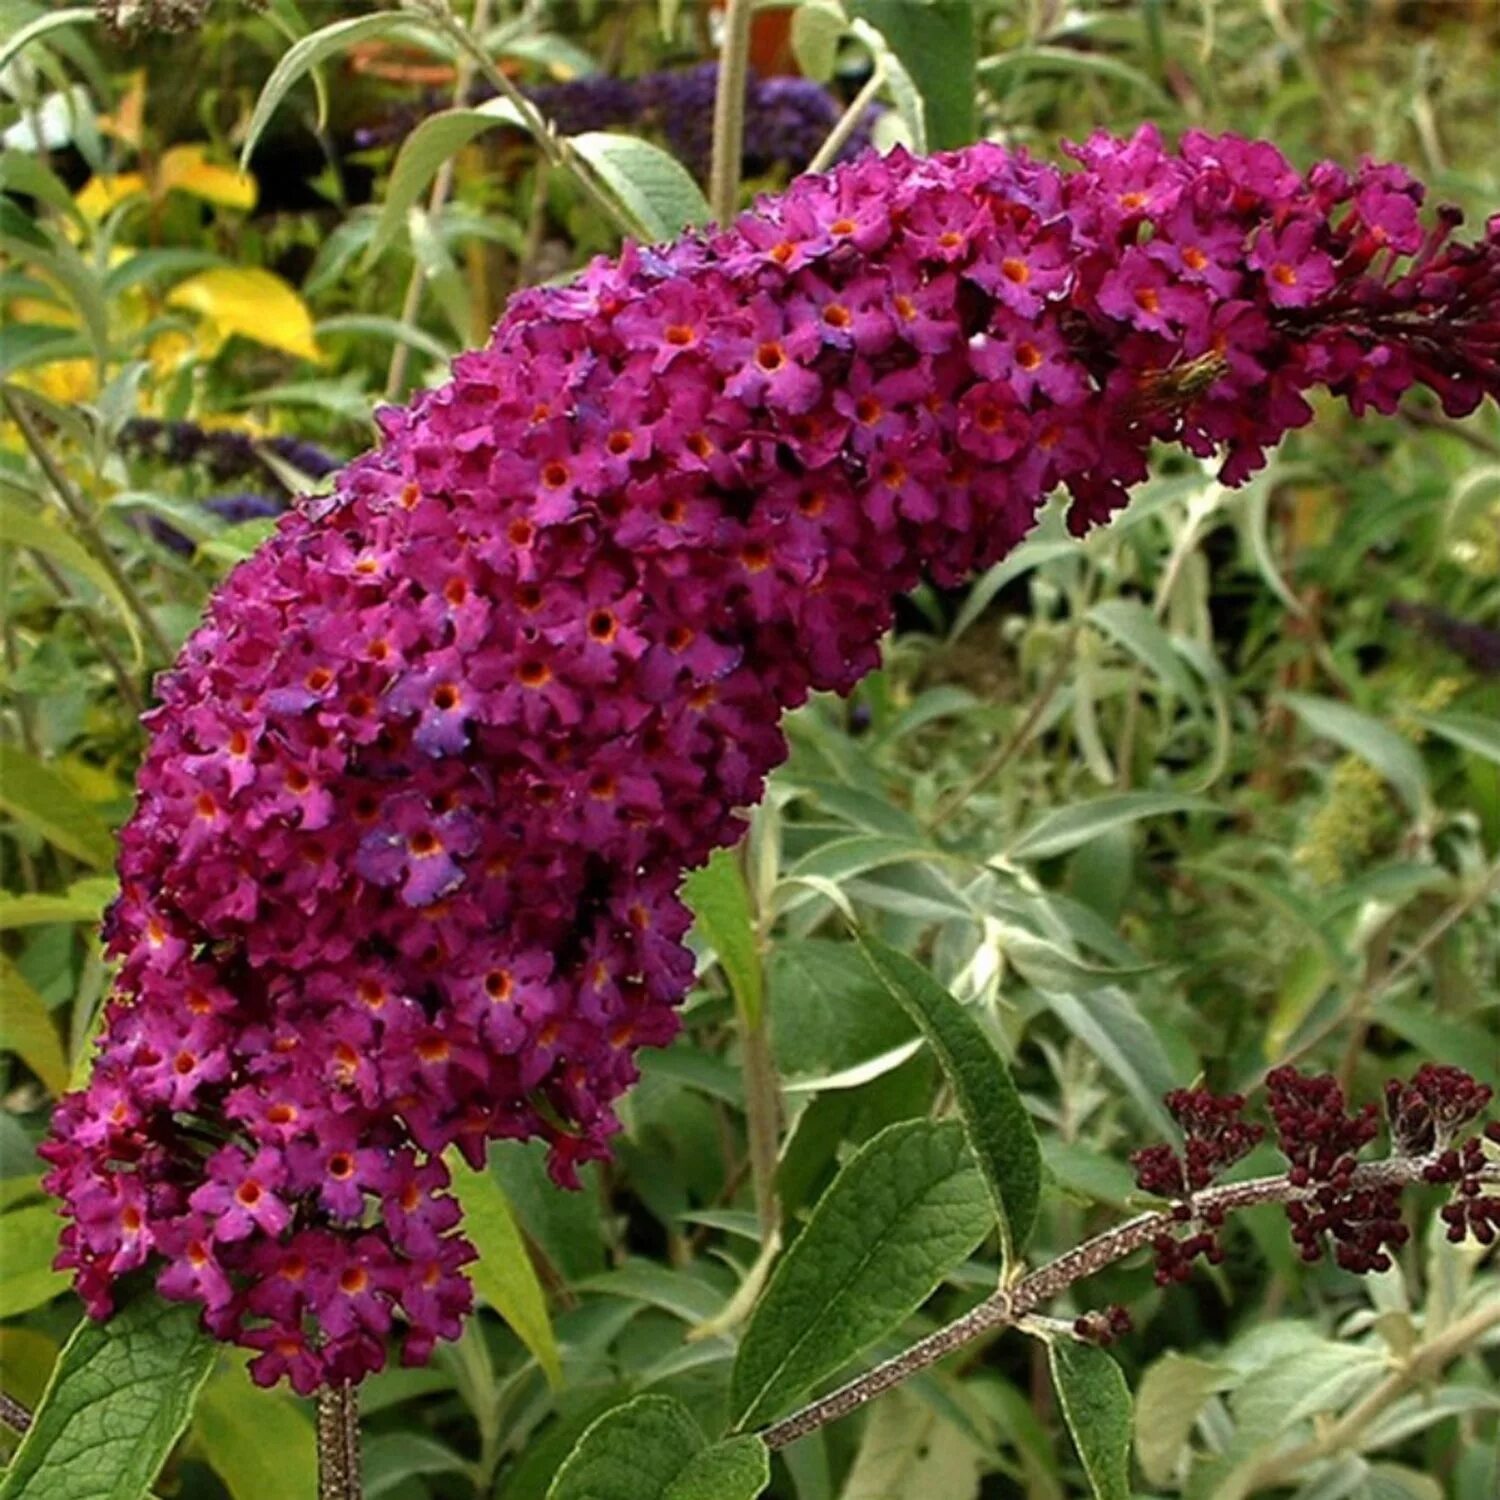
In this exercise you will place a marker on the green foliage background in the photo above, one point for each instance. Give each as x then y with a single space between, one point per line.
1216 789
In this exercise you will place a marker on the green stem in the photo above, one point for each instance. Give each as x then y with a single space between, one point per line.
838 137
82 518
552 145
729 111
442 185
762 1119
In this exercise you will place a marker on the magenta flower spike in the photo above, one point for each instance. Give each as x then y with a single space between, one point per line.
420 791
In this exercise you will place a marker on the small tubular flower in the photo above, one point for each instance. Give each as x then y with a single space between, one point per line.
421 789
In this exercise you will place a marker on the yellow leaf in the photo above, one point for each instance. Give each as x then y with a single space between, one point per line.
127 123
100 194
65 381
253 303
184 168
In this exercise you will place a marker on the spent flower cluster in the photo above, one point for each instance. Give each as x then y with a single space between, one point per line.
402 876
1331 1201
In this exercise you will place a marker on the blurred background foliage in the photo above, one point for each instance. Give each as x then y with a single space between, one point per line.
1215 789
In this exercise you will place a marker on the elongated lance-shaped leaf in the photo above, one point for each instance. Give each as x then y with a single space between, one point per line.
903 1212
1096 1405
999 1129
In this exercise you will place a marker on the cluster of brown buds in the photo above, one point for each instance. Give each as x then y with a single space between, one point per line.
1426 1117
1215 1136
1356 1214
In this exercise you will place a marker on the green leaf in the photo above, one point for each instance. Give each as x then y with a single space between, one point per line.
36 796
652 1449
1110 1026
906 97
1000 73
817 28
83 901
720 902
27 1029
76 15
936 41
503 1275
1069 827
828 1012
423 152
1477 732
306 54
999 1129
656 188
739 1468
912 1453
28 1243
24 527
1369 739
1172 1393
21 172
1131 625
26 344
1096 1404
258 1442
119 1397
906 1209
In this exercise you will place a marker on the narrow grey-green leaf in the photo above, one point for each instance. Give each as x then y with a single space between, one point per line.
118 1399
631 1453
1132 626
423 152
1172 1393
720 902
1477 732
306 54
905 1210
657 189
999 1129
1096 1404
739 1468
1373 742
24 36
1069 827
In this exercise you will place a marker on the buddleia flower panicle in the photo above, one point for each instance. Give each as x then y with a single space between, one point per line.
402 874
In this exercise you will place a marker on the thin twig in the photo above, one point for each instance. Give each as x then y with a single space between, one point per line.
13 1414
1018 741
848 122
552 145
78 512
338 1444
729 111
1010 1304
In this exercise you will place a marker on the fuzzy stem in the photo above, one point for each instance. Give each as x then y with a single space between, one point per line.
848 122
13 1414
1006 1308
442 185
729 112
78 512
762 1118
338 1444
552 146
